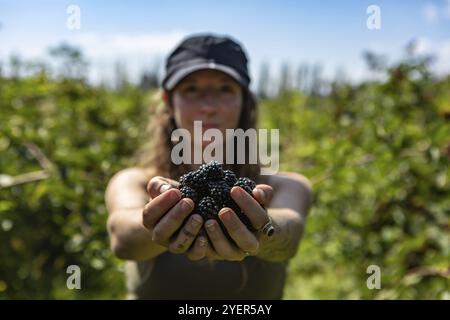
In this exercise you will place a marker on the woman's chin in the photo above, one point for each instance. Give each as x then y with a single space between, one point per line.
202 144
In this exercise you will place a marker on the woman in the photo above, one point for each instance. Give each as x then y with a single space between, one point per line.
172 257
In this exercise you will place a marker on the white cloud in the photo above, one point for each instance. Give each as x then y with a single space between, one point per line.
431 12
127 45
135 52
423 46
439 49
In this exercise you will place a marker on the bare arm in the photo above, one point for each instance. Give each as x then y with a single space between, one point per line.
288 210
125 199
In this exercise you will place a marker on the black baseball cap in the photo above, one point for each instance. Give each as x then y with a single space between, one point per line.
206 51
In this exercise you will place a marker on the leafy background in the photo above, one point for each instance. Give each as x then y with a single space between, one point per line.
376 152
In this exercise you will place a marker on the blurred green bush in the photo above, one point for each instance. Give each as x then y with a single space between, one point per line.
377 154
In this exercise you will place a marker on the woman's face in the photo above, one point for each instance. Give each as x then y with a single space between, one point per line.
209 96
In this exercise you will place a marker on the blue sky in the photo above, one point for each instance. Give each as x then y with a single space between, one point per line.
136 33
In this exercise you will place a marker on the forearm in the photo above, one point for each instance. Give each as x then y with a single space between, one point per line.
130 240
284 243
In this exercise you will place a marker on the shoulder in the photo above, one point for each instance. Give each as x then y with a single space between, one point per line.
290 180
291 189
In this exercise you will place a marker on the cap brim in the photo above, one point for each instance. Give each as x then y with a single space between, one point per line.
170 82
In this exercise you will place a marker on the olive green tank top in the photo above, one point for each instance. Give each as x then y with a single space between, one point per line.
172 276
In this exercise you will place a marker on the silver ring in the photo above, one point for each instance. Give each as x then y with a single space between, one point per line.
268 229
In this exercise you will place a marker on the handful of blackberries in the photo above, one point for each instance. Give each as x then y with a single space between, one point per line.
209 187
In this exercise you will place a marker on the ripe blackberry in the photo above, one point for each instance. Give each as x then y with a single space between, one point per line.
212 170
246 184
209 187
219 191
186 179
195 180
208 208
188 192
229 177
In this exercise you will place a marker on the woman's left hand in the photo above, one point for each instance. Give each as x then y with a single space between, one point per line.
247 242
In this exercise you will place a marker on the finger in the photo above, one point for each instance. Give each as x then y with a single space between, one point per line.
158 206
198 250
187 234
172 221
220 243
158 185
252 209
211 253
245 240
263 193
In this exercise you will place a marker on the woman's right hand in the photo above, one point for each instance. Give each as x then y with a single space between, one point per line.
165 214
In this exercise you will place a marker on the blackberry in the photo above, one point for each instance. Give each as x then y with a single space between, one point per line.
209 187
212 170
219 191
229 177
187 180
188 192
246 184
195 180
208 208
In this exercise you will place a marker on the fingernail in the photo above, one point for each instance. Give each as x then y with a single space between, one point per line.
210 226
186 205
195 221
174 195
164 188
225 215
260 193
237 191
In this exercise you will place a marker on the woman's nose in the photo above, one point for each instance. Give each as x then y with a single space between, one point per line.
209 104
